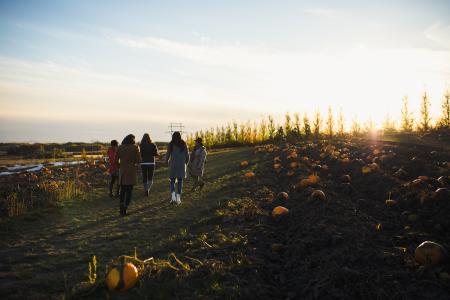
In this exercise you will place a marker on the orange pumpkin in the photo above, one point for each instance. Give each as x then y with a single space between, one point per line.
346 178
313 179
292 156
293 164
366 170
249 175
283 196
444 181
318 195
416 183
279 211
304 183
122 277
244 163
429 253
345 160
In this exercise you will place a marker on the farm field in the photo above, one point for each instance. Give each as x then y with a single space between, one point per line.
356 240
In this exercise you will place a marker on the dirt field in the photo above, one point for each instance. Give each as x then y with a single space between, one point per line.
223 242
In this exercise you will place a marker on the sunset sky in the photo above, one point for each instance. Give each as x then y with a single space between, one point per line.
97 70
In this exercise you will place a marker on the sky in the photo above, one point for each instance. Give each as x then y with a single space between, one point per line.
98 70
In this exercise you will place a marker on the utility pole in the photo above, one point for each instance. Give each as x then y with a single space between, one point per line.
176 127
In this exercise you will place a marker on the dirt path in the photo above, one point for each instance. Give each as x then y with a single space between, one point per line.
40 251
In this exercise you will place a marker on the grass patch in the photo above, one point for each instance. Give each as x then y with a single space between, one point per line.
208 234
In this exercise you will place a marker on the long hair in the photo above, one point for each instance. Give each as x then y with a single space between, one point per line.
129 140
146 140
177 141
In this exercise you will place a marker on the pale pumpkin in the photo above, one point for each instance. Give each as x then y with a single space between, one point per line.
244 164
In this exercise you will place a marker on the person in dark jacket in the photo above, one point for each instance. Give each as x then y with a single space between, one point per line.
127 157
148 153
177 157
113 168
197 164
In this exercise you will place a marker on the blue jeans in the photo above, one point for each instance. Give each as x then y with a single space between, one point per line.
179 185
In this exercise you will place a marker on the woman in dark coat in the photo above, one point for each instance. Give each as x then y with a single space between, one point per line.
148 153
177 157
127 157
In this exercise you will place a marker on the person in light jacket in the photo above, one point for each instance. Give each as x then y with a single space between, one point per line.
128 158
177 157
197 164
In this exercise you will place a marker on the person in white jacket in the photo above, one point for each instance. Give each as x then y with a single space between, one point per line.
197 164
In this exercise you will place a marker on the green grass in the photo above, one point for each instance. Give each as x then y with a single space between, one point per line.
46 253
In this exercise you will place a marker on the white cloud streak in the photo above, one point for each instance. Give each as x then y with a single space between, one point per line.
321 12
439 34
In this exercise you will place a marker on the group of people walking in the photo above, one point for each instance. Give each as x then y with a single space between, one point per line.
124 160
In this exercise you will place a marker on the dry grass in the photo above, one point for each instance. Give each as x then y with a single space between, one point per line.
196 251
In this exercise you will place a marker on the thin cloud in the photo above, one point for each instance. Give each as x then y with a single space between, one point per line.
206 53
53 32
439 34
322 12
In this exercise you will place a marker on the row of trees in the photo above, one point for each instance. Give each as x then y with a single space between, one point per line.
51 150
301 126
